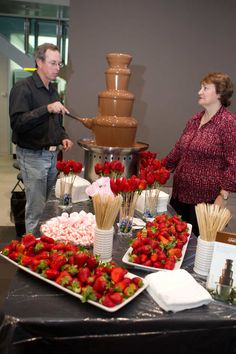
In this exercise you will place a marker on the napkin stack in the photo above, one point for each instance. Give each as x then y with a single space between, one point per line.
162 202
176 290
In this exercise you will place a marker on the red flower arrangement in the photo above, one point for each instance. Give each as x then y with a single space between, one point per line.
68 170
129 189
69 166
109 169
152 170
155 174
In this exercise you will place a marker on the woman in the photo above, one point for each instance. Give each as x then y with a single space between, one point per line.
204 158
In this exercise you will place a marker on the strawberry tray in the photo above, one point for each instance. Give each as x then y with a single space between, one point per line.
178 264
94 303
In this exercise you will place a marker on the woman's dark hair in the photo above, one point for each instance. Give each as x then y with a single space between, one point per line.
223 84
41 50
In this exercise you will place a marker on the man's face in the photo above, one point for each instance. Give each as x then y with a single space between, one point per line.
50 67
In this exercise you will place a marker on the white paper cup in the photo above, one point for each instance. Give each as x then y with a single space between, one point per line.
103 243
203 256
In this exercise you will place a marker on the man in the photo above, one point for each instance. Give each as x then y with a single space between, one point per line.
36 121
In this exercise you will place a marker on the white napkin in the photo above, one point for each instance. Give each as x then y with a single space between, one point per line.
176 290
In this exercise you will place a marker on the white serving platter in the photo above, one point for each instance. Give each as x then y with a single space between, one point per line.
94 303
178 264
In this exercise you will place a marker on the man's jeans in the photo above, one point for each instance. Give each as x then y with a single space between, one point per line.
38 169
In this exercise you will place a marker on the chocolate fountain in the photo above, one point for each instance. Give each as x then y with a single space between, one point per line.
114 127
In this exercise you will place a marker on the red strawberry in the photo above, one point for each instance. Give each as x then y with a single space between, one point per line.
28 240
158 264
138 281
7 250
106 301
100 284
92 262
83 275
88 294
134 258
75 286
121 285
64 278
50 273
175 252
47 239
116 297
117 274
169 264
130 290
25 260
81 259
57 261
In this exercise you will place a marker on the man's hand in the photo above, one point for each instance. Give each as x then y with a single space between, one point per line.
67 144
57 107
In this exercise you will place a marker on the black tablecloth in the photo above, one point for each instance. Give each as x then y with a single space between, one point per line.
38 318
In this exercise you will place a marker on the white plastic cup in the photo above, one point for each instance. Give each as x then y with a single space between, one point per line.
103 244
203 256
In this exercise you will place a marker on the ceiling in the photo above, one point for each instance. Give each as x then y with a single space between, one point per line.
57 9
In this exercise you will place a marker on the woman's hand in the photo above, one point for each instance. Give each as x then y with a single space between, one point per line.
222 198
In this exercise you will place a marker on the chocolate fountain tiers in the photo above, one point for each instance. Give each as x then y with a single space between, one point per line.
114 128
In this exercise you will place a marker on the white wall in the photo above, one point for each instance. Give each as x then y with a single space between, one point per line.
173 44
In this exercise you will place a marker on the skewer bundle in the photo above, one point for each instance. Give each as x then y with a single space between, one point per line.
106 208
211 219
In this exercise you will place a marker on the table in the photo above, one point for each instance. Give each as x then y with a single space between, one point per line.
38 318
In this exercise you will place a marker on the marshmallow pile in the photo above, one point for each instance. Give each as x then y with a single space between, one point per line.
77 228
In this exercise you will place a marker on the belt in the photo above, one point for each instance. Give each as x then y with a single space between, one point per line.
51 148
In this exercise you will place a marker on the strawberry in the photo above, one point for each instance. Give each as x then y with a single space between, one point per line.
175 252
130 290
169 264
25 260
75 286
116 297
51 274
71 268
88 294
47 239
83 275
121 285
138 281
117 274
20 248
13 256
7 250
42 255
39 246
64 278
81 259
57 261
100 284
106 301
92 262
158 264
134 258
143 258
13 244
148 263
28 240
59 247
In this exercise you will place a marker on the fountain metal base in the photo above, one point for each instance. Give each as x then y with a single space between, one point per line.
128 156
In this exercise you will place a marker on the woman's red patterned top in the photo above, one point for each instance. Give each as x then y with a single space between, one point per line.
204 159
